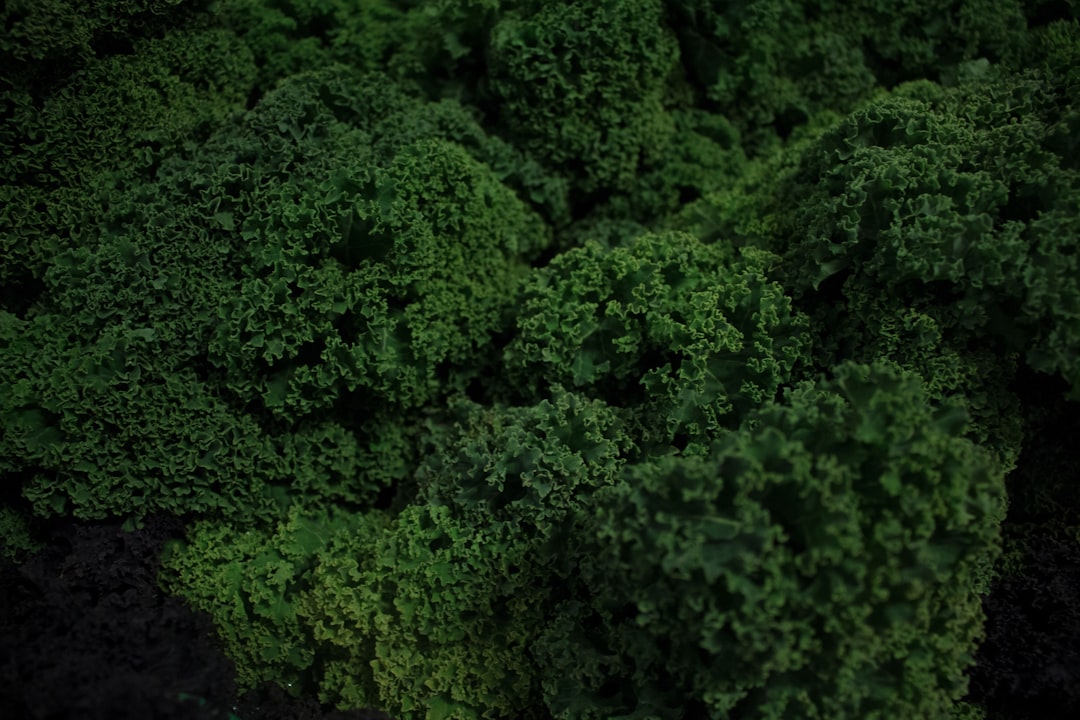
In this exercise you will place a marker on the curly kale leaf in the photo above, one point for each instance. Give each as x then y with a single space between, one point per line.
582 85
819 562
690 335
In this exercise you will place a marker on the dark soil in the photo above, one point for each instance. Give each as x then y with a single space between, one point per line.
87 634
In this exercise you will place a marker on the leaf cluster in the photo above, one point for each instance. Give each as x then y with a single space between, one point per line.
657 359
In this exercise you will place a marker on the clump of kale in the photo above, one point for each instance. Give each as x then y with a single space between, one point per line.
640 359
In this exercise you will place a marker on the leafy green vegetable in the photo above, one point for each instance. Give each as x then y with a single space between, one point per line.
816 563
676 329
653 359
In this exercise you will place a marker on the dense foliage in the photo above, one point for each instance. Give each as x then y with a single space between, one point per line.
595 359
